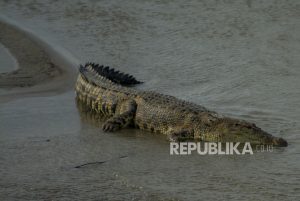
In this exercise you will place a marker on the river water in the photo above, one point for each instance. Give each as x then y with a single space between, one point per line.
239 58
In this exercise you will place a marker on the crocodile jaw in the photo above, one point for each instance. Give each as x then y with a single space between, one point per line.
233 130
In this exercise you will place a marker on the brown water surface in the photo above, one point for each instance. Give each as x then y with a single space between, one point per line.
239 58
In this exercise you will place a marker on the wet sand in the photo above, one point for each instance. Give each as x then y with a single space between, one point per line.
34 71
9 63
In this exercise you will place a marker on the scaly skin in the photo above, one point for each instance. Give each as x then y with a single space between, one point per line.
97 89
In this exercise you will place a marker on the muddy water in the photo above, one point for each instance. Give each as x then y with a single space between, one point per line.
237 58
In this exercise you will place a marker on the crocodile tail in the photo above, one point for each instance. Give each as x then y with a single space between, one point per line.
110 74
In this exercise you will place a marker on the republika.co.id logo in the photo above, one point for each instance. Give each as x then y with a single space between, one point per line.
216 148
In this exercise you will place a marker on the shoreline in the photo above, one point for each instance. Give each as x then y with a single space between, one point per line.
8 61
42 69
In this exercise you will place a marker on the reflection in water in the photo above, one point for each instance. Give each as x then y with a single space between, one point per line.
89 116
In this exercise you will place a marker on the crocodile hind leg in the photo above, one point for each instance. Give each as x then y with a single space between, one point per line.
123 119
181 135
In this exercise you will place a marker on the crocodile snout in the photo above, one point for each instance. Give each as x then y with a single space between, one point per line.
280 142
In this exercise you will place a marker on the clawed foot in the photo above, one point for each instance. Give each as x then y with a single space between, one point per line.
180 136
172 138
110 126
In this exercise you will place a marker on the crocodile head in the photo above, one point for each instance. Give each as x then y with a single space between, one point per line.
233 130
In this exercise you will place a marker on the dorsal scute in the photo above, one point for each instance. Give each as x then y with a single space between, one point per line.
109 73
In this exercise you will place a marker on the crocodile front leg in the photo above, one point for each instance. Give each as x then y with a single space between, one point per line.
123 119
181 135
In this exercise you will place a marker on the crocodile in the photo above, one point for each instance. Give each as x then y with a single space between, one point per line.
110 93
